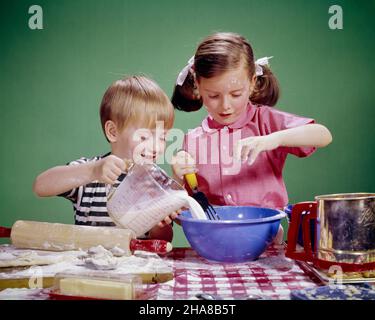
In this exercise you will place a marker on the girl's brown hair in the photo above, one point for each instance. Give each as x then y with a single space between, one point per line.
136 99
217 54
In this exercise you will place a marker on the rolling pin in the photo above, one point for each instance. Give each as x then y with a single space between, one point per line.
65 237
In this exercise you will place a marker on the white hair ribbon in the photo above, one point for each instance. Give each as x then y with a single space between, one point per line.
184 72
261 62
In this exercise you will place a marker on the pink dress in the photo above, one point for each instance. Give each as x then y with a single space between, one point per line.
229 182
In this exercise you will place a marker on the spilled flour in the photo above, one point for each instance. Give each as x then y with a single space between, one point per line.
12 257
97 258
146 213
24 294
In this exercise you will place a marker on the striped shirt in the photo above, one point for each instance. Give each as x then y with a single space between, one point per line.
90 201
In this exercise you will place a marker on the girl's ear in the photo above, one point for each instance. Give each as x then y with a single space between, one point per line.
111 131
196 93
253 81
252 84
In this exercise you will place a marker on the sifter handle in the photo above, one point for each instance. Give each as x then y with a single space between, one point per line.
297 218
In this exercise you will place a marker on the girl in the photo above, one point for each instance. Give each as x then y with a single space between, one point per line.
239 150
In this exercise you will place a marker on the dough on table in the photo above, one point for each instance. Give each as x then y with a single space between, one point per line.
11 257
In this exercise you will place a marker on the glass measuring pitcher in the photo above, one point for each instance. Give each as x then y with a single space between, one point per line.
144 198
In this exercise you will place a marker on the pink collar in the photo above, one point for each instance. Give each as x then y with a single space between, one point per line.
209 124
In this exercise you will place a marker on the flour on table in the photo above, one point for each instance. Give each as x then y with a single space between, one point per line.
99 257
103 259
23 294
118 252
277 262
12 257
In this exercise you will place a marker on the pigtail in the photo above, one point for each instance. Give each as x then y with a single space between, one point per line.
267 90
184 98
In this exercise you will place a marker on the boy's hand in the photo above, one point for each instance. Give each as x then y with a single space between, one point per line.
162 233
128 164
248 149
169 219
163 230
108 169
183 163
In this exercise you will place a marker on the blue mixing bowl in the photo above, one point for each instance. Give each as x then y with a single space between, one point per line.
242 233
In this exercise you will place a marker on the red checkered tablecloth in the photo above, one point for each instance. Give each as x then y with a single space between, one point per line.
272 276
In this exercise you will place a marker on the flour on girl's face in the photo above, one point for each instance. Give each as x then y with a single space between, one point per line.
226 95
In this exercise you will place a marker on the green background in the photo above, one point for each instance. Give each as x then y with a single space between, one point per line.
52 81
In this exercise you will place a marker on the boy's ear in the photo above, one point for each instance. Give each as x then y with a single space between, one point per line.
111 131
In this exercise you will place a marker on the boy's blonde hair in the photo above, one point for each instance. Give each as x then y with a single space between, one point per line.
136 99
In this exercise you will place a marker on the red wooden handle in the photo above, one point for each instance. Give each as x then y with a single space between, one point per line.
306 231
157 246
310 213
5 232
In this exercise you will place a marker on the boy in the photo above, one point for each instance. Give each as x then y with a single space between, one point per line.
128 105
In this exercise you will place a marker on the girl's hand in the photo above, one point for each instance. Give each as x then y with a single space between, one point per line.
248 149
108 169
183 163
